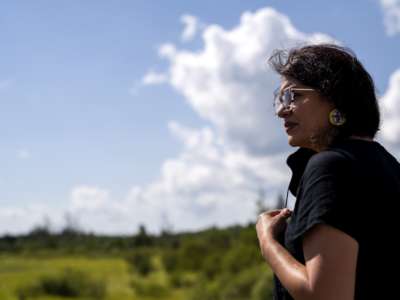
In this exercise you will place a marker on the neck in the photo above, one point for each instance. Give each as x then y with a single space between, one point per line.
322 146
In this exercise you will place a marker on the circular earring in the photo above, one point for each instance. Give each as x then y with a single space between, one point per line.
336 118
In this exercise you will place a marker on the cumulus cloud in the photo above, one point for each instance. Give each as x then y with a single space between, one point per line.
208 183
216 178
390 105
88 197
391 11
192 25
228 83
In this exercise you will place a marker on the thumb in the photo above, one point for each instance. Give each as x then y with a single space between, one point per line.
285 213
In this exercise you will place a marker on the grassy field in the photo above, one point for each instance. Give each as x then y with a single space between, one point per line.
19 271
213 264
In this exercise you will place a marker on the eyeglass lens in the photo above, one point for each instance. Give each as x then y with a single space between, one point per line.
283 99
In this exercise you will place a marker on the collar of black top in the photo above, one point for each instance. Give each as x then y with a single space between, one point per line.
297 162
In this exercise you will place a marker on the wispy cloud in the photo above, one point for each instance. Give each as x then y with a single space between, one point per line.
191 26
391 11
152 78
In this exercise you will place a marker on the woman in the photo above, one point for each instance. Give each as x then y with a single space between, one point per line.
338 242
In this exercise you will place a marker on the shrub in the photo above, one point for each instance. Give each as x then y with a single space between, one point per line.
152 289
212 265
71 283
140 262
192 254
263 288
179 279
254 283
170 260
241 257
240 285
205 290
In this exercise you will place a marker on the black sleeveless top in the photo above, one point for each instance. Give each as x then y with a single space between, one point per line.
353 186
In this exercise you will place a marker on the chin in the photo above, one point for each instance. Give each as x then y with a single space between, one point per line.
292 141
295 142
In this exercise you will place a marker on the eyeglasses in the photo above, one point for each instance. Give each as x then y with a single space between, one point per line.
286 98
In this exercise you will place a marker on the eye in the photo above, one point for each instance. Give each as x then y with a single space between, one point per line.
295 95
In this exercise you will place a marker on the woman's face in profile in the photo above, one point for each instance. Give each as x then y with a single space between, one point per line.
307 116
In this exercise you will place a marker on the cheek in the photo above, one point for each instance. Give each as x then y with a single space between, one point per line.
318 120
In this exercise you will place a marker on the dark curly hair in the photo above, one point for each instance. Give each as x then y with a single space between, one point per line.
337 74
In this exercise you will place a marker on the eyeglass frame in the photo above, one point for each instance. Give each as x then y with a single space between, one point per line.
279 100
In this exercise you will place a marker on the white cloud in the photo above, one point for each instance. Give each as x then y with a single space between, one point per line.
152 78
24 219
95 210
192 25
216 178
89 198
228 83
390 106
167 50
391 11
208 183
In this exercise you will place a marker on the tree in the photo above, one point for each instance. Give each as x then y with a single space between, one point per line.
142 238
72 227
42 230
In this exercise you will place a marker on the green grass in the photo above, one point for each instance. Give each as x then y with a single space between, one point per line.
22 271
16 271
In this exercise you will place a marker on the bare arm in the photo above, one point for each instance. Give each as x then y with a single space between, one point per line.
330 255
331 262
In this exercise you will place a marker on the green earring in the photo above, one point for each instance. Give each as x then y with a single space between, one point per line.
336 118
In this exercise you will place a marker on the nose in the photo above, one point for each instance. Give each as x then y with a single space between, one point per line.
283 111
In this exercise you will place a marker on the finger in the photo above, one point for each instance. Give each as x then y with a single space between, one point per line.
272 213
285 213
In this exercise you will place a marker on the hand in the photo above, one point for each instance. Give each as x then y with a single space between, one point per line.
270 225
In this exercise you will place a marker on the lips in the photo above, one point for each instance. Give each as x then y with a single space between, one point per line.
289 125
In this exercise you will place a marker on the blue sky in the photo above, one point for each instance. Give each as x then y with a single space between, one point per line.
83 132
